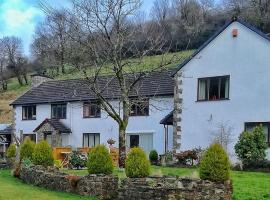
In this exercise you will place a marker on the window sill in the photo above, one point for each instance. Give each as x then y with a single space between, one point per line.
58 118
92 117
29 119
139 115
212 100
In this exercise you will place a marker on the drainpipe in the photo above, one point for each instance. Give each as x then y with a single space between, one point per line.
166 138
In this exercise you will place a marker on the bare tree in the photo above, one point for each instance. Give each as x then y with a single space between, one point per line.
161 10
15 59
108 40
51 45
223 134
3 71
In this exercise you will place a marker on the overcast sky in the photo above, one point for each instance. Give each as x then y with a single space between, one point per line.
19 17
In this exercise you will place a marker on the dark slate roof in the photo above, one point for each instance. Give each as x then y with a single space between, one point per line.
234 19
168 119
153 84
41 74
6 129
56 124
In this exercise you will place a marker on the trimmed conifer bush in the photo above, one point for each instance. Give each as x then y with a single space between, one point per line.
153 157
11 151
215 164
42 154
99 161
137 164
27 149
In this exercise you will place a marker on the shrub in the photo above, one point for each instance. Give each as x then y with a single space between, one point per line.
188 157
27 149
42 154
16 172
153 156
73 180
137 165
251 146
58 164
100 161
27 163
11 151
215 165
77 160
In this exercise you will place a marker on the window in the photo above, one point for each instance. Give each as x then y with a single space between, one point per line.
213 88
134 141
91 139
249 126
59 111
139 107
91 109
29 112
30 136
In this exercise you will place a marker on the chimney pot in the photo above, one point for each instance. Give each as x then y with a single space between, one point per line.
235 32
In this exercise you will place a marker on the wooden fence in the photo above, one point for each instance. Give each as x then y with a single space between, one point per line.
60 153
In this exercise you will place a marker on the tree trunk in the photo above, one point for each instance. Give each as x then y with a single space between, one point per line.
4 85
122 147
25 79
19 79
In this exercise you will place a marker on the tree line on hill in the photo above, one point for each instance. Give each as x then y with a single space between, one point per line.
184 24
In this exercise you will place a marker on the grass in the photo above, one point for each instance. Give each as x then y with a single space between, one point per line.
148 62
246 185
251 186
12 188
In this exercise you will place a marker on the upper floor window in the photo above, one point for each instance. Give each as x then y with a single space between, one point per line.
213 88
249 126
59 111
29 112
91 109
139 107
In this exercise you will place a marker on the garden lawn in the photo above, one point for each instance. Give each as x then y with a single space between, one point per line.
251 186
12 188
246 185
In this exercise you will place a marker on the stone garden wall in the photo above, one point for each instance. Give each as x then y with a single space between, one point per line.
108 187
173 189
101 186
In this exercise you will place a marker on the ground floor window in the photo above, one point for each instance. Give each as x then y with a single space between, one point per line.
249 126
142 140
30 136
134 141
91 139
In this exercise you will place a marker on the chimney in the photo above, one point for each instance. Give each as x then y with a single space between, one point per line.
37 79
235 32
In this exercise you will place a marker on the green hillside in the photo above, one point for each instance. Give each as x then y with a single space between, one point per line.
147 63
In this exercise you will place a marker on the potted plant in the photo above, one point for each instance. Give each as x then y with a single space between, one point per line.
111 142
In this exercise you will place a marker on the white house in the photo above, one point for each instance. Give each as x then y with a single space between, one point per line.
223 88
67 113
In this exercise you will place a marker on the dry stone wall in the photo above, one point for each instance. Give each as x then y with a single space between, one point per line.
109 187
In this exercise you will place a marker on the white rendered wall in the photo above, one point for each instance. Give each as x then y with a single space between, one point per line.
107 127
247 60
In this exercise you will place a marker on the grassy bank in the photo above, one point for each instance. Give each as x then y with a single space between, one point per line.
12 188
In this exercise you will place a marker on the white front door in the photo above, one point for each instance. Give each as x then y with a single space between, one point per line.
142 140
